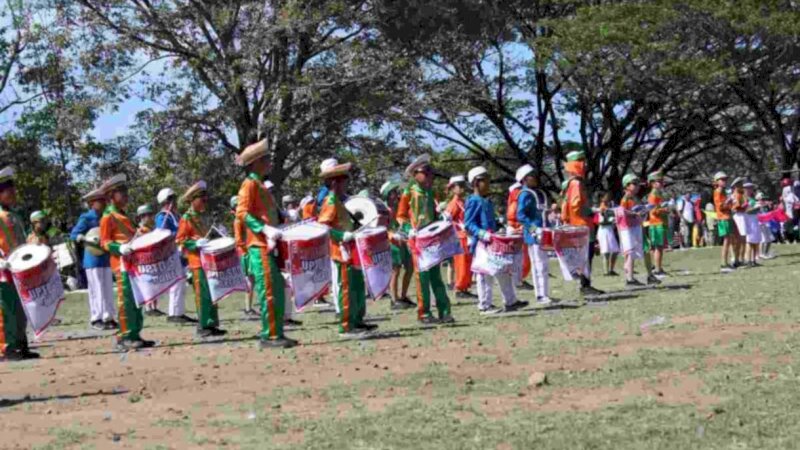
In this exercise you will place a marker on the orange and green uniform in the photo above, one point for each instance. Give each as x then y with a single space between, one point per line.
462 263
658 220
512 208
257 209
577 212
239 233
401 255
192 228
116 229
351 292
416 210
723 210
13 321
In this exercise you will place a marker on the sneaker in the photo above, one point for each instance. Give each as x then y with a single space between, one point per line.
111 324
613 274
489 311
21 355
98 325
204 332
181 320
428 320
366 327
283 342
525 286
128 344
292 322
408 302
660 273
544 301
726 269
466 295
398 305
651 279
147 344
634 283
589 290
519 304
322 303
155 313
352 334
448 319
218 332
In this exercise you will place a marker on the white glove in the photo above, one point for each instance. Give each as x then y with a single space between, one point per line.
412 234
348 236
4 265
200 243
273 234
125 249
539 232
80 238
486 236
441 207
293 215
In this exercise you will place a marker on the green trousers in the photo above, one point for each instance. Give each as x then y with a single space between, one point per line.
269 290
207 313
131 319
351 296
12 320
428 281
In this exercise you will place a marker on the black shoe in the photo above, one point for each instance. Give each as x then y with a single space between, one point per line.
111 324
218 332
283 342
613 274
181 320
128 344
147 344
525 286
98 325
21 355
726 269
515 306
155 313
660 273
448 319
28 354
366 327
292 322
489 311
633 283
204 332
466 295
589 290
428 320
408 302
399 305
651 279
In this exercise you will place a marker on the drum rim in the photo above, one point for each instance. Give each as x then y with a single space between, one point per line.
212 250
46 256
165 232
288 237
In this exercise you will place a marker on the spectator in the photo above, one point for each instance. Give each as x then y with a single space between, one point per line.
686 211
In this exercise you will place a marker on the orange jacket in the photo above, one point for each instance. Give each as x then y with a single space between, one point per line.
657 214
575 207
417 208
333 214
239 233
191 228
115 229
12 233
309 210
720 205
455 208
511 209
256 209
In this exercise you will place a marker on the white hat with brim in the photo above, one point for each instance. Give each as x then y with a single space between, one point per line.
388 187
93 195
476 173
115 182
336 171
523 172
327 164
252 153
194 190
144 209
456 180
37 216
748 184
737 181
420 162
720 176
7 174
164 195
287 199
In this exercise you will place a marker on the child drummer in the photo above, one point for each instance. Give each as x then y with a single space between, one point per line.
658 221
144 225
531 212
38 233
259 213
241 247
417 209
725 229
632 238
116 231
462 264
13 340
480 223
350 289
191 238
401 256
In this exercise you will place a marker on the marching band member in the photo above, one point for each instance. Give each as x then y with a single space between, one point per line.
13 340
97 267
401 256
725 229
322 195
351 290
462 264
753 238
633 234
512 206
191 238
576 210
416 210
658 221
116 231
38 234
480 223
239 233
739 207
307 207
258 211
167 219
531 213
606 239
144 219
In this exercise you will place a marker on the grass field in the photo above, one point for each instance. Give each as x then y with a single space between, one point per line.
712 366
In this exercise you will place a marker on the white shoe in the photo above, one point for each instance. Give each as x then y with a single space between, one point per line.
489 311
544 301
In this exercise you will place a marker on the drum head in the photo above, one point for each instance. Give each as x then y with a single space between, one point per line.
434 228
151 238
220 245
364 209
93 237
28 256
371 231
304 231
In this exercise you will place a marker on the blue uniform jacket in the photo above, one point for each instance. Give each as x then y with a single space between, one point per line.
88 220
530 214
167 221
478 218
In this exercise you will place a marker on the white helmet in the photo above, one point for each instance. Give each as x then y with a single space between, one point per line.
164 195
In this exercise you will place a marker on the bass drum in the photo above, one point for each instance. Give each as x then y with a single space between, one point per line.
368 211
92 242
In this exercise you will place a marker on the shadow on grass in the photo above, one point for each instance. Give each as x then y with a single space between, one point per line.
10 402
378 336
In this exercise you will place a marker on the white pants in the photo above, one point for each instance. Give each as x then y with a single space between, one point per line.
540 269
485 285
335 286
177 300
101 294
288 300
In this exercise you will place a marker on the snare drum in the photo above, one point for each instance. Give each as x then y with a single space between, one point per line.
38 283
368 212
32 265
93 242
570 236
304 257
305 237
546 240
219 254
152 247
436 243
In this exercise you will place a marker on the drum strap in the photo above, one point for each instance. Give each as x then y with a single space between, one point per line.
121 225
541 203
